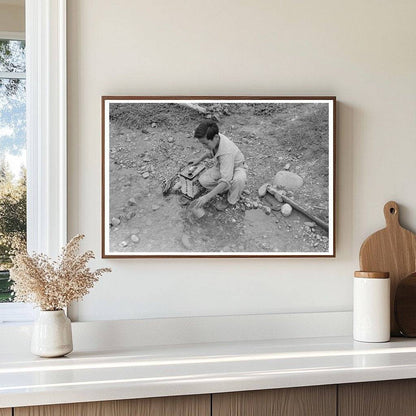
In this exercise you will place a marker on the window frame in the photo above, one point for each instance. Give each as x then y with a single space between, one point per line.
12 35
46 137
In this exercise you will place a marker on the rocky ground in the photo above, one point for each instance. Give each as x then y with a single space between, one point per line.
149 143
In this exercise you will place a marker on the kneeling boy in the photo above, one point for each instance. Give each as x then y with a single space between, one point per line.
230 171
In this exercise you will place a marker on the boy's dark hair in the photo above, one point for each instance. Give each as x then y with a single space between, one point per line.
206 128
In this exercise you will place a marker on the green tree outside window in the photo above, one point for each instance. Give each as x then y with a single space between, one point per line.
12 144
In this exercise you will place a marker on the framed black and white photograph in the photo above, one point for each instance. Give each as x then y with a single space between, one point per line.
218 177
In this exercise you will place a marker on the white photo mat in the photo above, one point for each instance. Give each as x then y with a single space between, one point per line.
146 140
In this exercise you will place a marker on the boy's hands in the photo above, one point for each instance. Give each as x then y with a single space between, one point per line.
201 201
198 160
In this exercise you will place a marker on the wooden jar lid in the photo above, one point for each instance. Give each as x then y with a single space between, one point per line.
372 275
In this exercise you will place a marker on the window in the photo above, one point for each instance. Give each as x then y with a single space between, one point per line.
12 153
46 135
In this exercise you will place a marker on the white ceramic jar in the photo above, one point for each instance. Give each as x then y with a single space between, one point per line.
371 313
52 334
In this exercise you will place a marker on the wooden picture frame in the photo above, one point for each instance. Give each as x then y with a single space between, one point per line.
149 193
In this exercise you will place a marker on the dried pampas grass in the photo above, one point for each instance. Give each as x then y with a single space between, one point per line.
53 285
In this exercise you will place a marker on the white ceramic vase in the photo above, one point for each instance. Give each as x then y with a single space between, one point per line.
52 334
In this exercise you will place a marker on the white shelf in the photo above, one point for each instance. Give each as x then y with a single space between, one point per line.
150 371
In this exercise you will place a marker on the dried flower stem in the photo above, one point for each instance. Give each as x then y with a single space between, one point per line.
53 285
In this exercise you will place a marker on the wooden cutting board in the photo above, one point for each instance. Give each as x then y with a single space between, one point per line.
393 250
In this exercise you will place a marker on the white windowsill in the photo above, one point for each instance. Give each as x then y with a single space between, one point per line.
16 313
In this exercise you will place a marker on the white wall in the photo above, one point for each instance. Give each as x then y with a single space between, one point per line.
12 18
363 52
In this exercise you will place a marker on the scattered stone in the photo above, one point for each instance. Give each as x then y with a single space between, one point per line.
233 220
170 140
130 215
255 204
221 205
154 125
313 230
145 131
115 229
146 159
123 244
287 180
115 221
310 224
134 238
307 228
246 192
287 166
267 210
183 200
146 175
286 210
263 190
315 244
132 202
186 242
155 207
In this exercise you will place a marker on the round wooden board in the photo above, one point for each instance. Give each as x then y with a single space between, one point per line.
393 250
405 306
